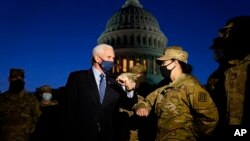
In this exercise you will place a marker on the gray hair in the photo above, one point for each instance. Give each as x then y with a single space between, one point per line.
98 50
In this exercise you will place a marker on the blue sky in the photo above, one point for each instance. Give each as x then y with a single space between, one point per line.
51 38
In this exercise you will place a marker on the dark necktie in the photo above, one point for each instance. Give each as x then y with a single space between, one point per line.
102 87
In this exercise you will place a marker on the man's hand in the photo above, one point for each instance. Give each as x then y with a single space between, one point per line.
127 80
142 112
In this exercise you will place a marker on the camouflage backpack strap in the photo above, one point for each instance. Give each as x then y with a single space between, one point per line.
162 90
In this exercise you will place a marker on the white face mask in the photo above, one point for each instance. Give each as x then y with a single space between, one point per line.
47 96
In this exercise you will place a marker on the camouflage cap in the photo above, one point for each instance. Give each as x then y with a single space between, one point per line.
14 73
45 88
174 52
138 68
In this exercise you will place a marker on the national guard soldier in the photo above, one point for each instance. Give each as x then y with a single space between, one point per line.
184 108
231 88
133 127
215 87
236 33
19 110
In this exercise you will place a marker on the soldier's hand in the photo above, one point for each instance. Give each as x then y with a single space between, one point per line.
142 112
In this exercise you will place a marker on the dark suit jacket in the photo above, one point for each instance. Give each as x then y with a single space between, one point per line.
86 119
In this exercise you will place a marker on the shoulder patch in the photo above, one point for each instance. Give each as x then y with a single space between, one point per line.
202 96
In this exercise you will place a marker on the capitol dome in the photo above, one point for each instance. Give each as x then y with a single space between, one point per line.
136 37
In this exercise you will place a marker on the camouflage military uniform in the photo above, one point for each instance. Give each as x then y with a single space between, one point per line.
19 114
235 84
185 110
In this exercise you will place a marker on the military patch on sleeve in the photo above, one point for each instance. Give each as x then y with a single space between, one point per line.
202 97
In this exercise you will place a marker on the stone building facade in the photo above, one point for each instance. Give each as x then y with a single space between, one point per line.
136 37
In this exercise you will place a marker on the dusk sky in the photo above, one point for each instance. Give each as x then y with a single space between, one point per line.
51 38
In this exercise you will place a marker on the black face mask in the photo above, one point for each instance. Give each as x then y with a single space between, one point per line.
16 86
165 72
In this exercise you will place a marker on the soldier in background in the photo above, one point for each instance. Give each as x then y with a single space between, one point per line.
230 88
146 126
131 126
19 109
46 96
216 87
184 108
48 126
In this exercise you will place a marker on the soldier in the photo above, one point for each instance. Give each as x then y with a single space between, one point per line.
229 88
184 108
133 127
47 96
215 86
146 126
237 77
19 110
48 126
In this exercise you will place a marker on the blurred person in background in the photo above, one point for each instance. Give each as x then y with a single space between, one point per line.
229 84
19 109
48 126
131 127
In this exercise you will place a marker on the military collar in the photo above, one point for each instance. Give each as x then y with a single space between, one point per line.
178 80
237 61
21 94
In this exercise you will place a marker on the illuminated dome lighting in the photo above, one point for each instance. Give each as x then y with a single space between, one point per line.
136 37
